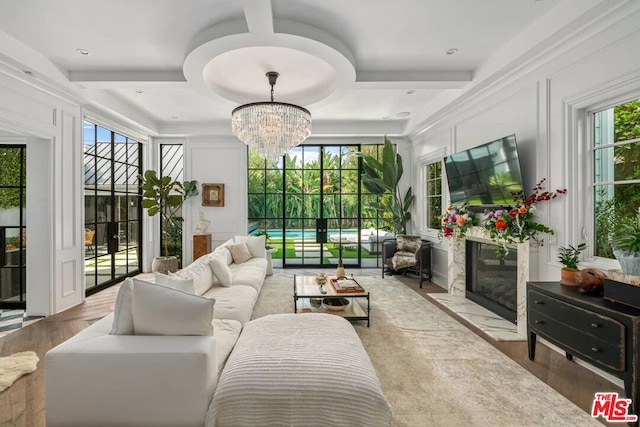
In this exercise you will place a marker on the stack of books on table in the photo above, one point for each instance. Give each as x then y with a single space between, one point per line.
346 286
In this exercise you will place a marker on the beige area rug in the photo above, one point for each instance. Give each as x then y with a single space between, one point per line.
14 366
436 372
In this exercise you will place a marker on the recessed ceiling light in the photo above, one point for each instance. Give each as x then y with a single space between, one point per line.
452 51
403 114
81 51
386 118
138 90
174 117
411 91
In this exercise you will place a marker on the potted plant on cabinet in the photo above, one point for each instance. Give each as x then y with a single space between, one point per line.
626 245
569 256
165 196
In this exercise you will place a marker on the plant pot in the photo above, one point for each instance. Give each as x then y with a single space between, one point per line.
629 262
568 276
164 264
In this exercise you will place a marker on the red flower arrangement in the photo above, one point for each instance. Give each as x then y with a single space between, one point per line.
516 224
457 221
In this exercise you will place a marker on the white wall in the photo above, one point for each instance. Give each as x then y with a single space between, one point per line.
209 159
51 126
544 104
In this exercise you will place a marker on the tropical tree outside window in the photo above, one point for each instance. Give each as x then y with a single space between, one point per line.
287 194
616 171
433 194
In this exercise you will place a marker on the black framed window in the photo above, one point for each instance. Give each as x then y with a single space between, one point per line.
13 231
113 214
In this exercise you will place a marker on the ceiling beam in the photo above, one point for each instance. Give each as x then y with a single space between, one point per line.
259 16
412 79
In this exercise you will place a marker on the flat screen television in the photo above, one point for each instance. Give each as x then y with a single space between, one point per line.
486 175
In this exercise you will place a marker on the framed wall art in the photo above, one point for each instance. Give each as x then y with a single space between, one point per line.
212 194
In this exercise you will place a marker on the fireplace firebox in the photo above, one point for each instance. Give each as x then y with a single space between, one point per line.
491 280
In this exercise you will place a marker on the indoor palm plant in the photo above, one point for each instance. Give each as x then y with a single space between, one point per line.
626 244
165 196
382 177
569 256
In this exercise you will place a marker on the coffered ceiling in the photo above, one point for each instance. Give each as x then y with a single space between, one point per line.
178 67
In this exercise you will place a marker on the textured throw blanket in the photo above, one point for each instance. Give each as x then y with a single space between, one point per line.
299 370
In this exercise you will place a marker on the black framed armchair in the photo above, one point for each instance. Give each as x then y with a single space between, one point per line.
407 254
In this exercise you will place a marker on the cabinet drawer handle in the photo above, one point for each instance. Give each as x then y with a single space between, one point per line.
595 325
538 302
595 349
539 322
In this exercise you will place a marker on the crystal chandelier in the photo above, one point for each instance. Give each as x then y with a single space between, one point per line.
271 128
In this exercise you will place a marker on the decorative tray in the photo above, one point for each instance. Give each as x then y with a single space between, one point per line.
345 286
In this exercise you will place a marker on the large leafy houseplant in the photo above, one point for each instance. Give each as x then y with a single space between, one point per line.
165 196
382 177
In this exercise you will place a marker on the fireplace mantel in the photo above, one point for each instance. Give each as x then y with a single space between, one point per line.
457 276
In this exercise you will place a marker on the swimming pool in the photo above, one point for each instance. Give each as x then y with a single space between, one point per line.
304 234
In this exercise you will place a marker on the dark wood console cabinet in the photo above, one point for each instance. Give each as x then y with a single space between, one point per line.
602 333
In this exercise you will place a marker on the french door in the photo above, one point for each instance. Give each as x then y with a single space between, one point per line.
313 207
113 212
322 199
13 232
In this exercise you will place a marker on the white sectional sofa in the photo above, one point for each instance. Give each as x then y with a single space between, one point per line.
108 375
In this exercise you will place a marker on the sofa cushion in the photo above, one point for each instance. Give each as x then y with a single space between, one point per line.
250 273
122 317
282 363
201 274
158 310
224 248
184 285
226 333
234 302
240 252
255 244
218 264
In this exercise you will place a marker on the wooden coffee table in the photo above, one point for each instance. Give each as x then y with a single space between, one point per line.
305 289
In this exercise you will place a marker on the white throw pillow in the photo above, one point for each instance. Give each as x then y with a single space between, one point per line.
201 274
240 252
158 310
184 285
224 250
122 317
255 244
221 270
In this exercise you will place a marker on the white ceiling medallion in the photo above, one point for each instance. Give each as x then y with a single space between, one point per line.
313 64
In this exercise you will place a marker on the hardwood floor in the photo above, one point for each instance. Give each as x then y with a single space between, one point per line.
22 405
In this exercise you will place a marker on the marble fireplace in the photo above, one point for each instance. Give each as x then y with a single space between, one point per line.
456 299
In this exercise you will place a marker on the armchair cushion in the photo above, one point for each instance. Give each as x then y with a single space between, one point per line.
402 260
409 244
